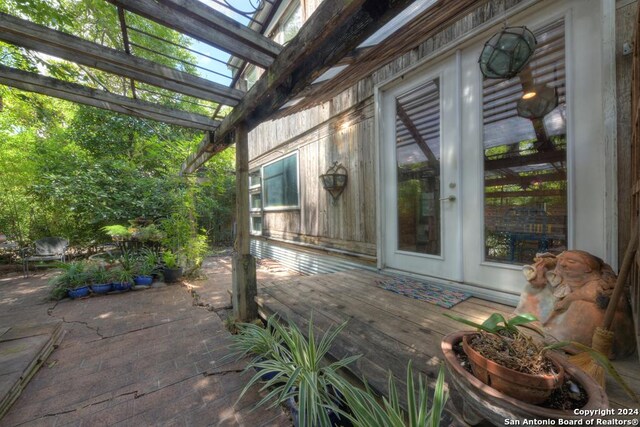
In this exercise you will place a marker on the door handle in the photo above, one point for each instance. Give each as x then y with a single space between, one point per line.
451 198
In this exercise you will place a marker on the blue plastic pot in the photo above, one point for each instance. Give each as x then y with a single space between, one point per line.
102 288
334 418
143 280
120 287
267 375
78 292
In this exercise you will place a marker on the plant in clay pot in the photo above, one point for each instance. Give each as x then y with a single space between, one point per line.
468 356
510 361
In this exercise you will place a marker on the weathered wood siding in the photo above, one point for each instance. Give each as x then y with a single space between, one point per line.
349 222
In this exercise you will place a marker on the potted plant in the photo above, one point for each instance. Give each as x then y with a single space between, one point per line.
366 410
256 340
100 279
115 279
153 259
495 369
71 282
252 339
143 271
301 378
172 270
125 278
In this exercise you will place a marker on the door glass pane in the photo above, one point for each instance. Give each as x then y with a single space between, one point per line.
418 169
525 156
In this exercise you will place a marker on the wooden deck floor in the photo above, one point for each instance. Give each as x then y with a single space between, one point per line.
386 328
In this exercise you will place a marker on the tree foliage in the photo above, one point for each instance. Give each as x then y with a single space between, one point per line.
68 170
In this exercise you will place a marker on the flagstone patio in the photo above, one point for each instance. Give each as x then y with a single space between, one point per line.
147 357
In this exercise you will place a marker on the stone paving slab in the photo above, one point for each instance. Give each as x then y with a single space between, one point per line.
134 359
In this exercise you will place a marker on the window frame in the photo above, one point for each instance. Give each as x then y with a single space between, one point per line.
255 212
252 230
266 208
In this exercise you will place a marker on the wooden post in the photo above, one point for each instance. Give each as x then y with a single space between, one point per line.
245 308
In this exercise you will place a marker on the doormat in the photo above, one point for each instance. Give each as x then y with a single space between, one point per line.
423 291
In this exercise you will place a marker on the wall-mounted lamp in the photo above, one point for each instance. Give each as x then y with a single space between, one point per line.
335 179
537 102
507 52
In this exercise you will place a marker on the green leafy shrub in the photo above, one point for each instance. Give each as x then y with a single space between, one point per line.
117 232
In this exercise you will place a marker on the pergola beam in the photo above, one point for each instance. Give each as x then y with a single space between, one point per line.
206 24
335 29
73 92
65 46
417 137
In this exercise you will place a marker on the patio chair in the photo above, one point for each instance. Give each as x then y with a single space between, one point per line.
46 249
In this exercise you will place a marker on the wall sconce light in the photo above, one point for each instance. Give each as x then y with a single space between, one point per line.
537 102
507 52
335 179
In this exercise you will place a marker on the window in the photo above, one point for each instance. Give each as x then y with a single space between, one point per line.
254 179
525 156
256 224
289 25
280 183
255 201
252 74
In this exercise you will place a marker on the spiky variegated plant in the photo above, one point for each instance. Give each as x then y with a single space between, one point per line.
299 372
254 340
366 410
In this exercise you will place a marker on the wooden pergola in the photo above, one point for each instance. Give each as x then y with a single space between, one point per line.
330 37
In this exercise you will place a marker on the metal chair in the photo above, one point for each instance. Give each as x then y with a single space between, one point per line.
46 249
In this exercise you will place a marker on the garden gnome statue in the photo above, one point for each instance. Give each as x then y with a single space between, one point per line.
571 302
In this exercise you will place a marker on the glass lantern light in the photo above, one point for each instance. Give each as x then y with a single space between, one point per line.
507 52
334 180
537 102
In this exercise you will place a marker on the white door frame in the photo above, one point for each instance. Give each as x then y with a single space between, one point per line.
599 15
446 265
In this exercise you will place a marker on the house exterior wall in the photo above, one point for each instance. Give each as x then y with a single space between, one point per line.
626 12
342 130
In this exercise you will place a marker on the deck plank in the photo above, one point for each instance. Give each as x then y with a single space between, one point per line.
389 329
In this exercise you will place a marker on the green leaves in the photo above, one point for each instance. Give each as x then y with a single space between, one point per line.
296 364
497 322
368 411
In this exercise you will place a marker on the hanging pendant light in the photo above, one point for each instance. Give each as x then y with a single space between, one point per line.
507 52
537 102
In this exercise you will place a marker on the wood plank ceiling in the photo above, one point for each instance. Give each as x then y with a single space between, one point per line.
331 34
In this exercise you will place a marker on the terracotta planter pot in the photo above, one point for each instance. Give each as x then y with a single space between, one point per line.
525 387
482 402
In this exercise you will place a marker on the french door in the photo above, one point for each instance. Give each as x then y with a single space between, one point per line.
421 135
476 178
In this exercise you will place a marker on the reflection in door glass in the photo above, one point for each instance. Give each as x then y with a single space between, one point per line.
418 169
525 167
